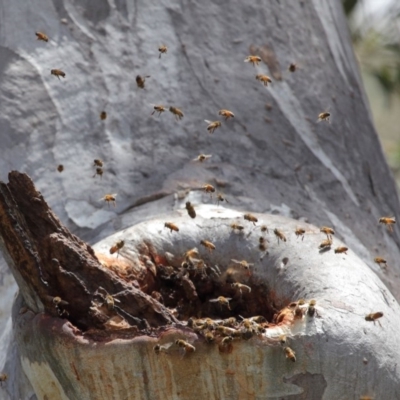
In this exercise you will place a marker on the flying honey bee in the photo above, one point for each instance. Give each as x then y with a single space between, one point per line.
264 79
221 198
98 163
158 108
374 316
292 67
241 287
60 168
325 244
190 209
311 310
290 354
177 112
388 221
202 157
243 263
57 73
279 235
99 171
381 261
116 247
192 253
255 60
282 339
300 232
3 378
251 218
187 347
42 36
226 113
212 125
341 249
162 50
208 245
261 244
264 228
324 116
237 227
328 231
171 226
110 198
110 302
141 80
103 115
223 301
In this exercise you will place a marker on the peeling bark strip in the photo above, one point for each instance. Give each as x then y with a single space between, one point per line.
59 273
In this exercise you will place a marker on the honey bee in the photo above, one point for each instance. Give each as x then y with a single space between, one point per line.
190 209
225 346
300 232
110 302
209 337
208 188
60 168
236 227
42 36
202 157
255 60
3 378
110 198
311 310
208 245
389 221
188 348
261 244
282 339
103 115
58 301
99 171
221 198
116 247
290 354
230 332
324 116
230 322
264 79
97 163
158 108
244 264
163 50
264 228
341 249
279 235
241 287
325 244
328 231
380 260
141 80
374 316
57 73
223 301
292 67
171 226
177 112
158 349
251 218
212 125
192 253
226 113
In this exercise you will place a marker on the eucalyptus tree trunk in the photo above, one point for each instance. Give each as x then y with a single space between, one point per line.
271 158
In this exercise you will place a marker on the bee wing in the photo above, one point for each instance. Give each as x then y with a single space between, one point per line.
213 300
235 261
208 122
247 59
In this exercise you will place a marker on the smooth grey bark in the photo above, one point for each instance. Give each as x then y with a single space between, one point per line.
273 159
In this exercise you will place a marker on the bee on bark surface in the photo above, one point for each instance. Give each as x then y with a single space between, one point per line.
116 247
328 231
223 301
209 337
230 332
282 339
300 232
255 60
57 73
279 235
171 226
226 113
162 50
229 322
311 310
381 261
110 302
212 125
202 157
324 116
251 218
290 354
60 168
341 249
110 198
103 115
140 81
208 245
187 347
177 112
97 163
240 287
325 244
42 36
264 79
159 109
388 221
190 209
99 171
